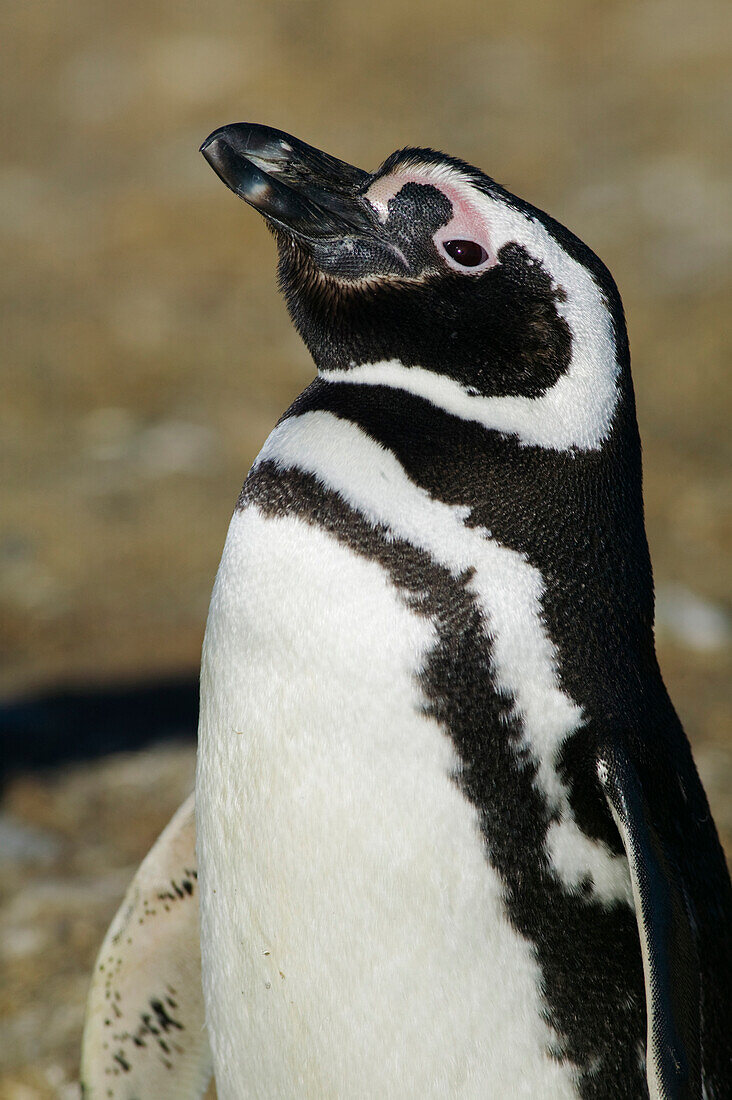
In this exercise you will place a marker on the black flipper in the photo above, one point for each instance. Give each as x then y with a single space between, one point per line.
667 936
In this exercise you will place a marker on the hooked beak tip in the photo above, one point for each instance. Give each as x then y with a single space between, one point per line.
295 186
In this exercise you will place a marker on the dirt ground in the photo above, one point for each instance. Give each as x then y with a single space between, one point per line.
146 355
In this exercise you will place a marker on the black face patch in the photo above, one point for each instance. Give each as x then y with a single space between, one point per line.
415 214
496 333
393 297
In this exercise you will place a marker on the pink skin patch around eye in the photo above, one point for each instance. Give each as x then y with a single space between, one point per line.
466 224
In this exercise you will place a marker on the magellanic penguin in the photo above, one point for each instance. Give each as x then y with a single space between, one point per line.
451 840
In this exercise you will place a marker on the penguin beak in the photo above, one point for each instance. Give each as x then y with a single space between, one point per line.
309 194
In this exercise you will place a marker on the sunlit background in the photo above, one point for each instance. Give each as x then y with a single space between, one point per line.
146 355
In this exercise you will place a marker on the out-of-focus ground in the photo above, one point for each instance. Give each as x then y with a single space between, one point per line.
146 355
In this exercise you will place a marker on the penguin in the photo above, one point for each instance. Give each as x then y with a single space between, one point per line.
451 841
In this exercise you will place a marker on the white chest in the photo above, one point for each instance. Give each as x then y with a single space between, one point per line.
353 934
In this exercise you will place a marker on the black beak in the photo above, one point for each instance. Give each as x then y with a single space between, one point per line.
296 187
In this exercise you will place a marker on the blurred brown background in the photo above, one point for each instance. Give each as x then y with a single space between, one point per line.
146 355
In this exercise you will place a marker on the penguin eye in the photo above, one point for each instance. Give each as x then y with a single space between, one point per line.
465 253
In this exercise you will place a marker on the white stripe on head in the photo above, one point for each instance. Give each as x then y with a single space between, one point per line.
577 411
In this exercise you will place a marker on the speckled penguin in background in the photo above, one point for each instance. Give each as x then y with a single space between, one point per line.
451 840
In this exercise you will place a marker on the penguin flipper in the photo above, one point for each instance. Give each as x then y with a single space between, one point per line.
144 1036
667 938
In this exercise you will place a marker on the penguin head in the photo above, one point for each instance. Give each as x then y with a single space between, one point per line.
428 275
